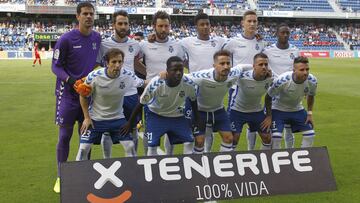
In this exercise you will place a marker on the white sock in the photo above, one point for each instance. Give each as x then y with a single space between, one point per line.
251 139
265 146
135 137
289 138
129 148
106 143
209 138
276 140
145 144
234 146
308 138
152 151
169 149
225 147
198 150
188 147
83 152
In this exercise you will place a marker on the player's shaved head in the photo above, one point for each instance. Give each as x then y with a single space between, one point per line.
280 26
260 55
221 53
84 5
301 59
172 59
113 52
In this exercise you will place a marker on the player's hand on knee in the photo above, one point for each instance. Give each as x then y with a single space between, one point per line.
309 119
266 124
125 129
85 125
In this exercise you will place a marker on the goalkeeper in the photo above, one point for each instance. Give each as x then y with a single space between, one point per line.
107 87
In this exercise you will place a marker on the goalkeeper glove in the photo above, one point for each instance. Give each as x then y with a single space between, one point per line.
82 88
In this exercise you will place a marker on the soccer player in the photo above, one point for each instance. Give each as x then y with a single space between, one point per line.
139 36
165 99
288 91
155 54
74 58
213 85
243 50
246 106
131 49
108 89
200 51
281 59
37 54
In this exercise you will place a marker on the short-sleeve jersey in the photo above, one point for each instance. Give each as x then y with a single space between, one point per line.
281 60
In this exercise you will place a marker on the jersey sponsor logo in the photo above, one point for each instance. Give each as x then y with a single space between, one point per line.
242 46
182 93
94 45
131 48
56 54
197 44
257 47
77 47
171 49
122 85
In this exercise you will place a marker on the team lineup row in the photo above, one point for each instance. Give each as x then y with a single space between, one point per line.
173 101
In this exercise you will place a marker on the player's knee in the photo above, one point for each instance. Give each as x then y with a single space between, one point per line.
199 141
227 137
236 137
266 138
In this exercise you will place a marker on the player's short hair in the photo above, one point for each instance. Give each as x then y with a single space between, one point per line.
249 12
160 15
111 53
260 55
119 13
139 34
301 59
84 5
200 16
222 52
172 59
281 25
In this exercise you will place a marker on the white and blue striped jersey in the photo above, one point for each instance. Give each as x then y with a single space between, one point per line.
248 94
288 95
211 92
107 94
156 54
168 101
200 53
130 48
281 60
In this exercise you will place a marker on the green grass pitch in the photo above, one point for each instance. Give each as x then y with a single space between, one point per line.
28 135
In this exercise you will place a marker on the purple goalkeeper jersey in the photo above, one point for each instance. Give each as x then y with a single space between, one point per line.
75 56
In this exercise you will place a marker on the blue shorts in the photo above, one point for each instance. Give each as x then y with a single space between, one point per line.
129 105
295 119
254 120
177 128
107 127
218 120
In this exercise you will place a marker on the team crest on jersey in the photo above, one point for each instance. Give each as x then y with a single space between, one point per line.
306 90
56 54
182 93
94 45
131 48
257 47
171 49
292 56
122 85
213 44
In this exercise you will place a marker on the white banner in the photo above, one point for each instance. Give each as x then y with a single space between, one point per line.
344 54
12 7
153 10
278 13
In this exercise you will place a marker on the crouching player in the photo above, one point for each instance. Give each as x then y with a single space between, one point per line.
246 103
107 87
165 100
288 91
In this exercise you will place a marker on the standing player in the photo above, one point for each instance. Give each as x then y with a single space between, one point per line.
166 99
281 59
200 51
155 54
74 58
288 91
131 49
139 36
246 106
213 85
108 87
37 54
243 50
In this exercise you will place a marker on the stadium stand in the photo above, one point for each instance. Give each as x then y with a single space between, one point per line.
198 4
349 5
351 35
296 5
